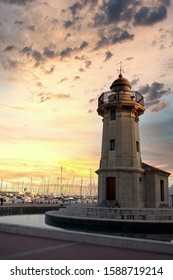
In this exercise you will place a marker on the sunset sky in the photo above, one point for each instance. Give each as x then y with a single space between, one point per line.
57 57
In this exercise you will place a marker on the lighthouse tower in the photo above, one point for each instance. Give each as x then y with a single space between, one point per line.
120 175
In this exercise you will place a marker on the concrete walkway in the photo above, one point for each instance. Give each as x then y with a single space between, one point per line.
19 243
22 247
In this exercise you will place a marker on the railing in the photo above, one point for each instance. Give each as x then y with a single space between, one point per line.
104 97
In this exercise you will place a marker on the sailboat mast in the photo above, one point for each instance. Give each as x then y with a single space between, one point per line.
1 184
90 185
81 187
61 180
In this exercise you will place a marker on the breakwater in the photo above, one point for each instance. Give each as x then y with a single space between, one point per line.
26 209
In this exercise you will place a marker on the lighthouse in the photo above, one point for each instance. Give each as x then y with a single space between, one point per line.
120 174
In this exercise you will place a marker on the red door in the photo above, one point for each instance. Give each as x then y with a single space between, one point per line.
110 188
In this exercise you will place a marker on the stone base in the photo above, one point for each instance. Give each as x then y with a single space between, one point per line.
112 219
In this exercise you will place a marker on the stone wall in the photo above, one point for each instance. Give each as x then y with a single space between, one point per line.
152 189
119 213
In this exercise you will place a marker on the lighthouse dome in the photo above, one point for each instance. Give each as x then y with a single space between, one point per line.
120 84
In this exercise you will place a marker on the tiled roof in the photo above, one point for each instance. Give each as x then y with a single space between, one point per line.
149 168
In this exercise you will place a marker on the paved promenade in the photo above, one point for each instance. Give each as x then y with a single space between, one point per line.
22 247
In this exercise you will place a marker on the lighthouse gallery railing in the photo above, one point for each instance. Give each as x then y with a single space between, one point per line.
104 97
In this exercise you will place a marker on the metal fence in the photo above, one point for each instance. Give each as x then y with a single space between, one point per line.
104 97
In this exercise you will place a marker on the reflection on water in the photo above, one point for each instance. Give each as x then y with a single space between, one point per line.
38 220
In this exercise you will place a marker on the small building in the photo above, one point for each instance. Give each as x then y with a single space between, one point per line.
155 186
122 177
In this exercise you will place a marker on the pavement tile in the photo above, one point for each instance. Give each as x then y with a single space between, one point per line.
22 247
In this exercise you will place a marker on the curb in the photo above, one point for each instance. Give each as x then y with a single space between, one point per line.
90 238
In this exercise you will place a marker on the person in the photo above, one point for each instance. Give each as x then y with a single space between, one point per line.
1 201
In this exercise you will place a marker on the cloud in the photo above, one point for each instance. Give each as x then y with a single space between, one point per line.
76 78
9 63
36 55
156 90
88 63
51 70
78 6
83 45
108 20
19 22
83 57
131 11
161 105
75 8
40 57
71 23
110 16
134 82
116 11
81 69
19 108
129 58
77 11
27 50
22 23
90 111
146 16
40 85
93 100
55 21
63 80
66 52
122 35
9 48
12 63
153 96
107 23
68 23
68 35
116 35
17 2
32 27
48 96
49 53
108 55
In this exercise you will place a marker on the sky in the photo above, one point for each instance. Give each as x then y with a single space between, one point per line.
56 58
